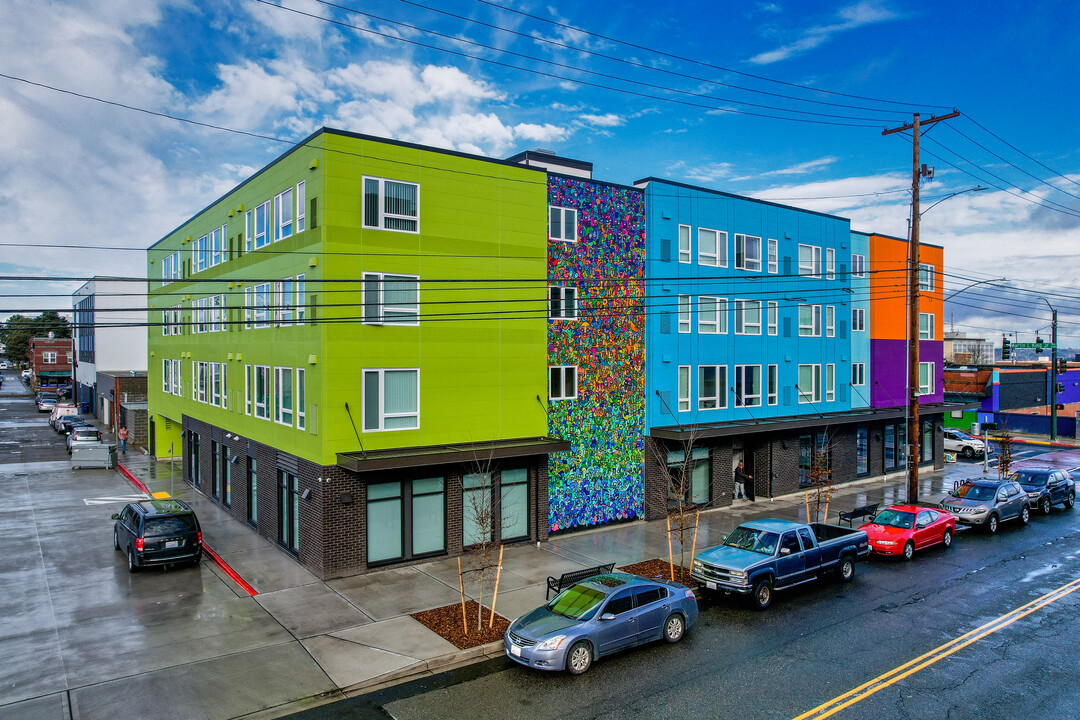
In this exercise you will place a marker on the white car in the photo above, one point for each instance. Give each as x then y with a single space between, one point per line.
957 441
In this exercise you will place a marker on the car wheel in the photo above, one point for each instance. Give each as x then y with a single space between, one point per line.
1044 506
1025 515
132 565
946 539
196 561
909 550
992 524
847 569
579 659
115 540
968 452
1070 501
762 594
674 628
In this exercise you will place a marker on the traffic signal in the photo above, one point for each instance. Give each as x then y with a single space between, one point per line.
1060 388
1063 366
1006 348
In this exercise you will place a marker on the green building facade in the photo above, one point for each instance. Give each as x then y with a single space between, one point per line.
348 350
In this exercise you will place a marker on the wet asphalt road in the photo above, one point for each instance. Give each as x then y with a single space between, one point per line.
817 642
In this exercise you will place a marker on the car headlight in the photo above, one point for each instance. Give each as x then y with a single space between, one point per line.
552 643
886 542
698 566
738 574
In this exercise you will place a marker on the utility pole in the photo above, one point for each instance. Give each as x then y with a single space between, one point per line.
1053 371
913 429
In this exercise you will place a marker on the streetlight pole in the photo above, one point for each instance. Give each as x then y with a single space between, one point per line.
1053 371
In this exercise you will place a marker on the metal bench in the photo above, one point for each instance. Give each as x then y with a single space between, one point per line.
859 512
557 585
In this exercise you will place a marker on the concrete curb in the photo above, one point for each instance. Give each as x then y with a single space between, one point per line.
427 668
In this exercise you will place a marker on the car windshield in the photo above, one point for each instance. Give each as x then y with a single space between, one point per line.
578 602
973 492
168 525
49 397
1026 477
81 434
895 518
759 541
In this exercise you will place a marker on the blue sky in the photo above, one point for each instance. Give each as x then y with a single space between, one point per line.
76 172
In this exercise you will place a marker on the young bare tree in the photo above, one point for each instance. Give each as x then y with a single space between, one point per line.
1004 440
819 491
977 353
681 507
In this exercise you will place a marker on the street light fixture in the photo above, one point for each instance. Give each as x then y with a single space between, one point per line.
977 188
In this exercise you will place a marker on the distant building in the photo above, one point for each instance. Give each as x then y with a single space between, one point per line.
960 349
50 360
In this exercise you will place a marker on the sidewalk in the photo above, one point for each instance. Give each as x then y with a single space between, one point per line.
358 628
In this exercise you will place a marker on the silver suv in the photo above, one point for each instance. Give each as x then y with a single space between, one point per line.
957 441
986 503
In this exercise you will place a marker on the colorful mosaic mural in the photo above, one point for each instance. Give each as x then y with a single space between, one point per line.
601 479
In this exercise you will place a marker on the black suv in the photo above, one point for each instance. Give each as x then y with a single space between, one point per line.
157 532
1046 487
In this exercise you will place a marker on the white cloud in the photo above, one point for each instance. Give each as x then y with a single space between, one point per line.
710 172
802 168
540 133
607 120
851 17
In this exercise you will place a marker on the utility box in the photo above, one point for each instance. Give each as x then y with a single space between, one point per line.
93 456
975 429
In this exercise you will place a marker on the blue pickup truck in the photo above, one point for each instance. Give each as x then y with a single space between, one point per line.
765 555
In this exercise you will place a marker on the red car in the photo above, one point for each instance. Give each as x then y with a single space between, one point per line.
903 529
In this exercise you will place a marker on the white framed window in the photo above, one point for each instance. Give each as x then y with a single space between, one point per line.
747 253
747 317
194 380
283 302
773 313
301 399
249 234
926 378
247 389
218 392
300 300
830 264
809 385
684 244
261 238
926 326
177 380
248 307
684 313
218 245
809 321
710 319
262 391
858 374
562 303
858 265
49 358
391 205
830 382
391 399
858 319
712 387
773 384
283 396
562 382
391 299
774 256
747 386
809 260
684 388
218 314
283 215
200 254
166 375
264 298
301 199
201 381
170 268
562 223
712 247
830 321
926 277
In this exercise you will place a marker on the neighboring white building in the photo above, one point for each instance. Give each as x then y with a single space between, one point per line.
962 350
109 332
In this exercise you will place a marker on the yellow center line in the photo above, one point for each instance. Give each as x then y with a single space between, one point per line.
884 680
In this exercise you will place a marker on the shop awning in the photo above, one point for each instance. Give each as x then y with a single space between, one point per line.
54 373
481 452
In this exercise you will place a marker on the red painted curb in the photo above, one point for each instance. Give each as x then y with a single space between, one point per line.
206 548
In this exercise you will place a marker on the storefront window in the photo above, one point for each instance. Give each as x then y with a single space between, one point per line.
476 514
689 480
862 435
515 503
406 519
890 447
926 444
384 522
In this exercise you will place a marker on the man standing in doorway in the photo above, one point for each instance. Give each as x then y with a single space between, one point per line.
122 436
741 478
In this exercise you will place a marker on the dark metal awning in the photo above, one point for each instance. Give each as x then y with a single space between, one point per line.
749 426
411 457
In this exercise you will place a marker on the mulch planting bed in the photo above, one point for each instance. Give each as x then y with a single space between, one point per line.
659 568
446 622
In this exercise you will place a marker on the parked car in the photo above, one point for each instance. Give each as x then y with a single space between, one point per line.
986 503
66 424
763 555
903 529
1046 487
597 617
61 409
25 374
157 532
46 401
957 441
86 435
3 365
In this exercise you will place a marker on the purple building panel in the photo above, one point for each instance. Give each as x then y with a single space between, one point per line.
888 359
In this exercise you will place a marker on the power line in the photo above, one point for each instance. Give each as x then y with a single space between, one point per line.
1006 142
